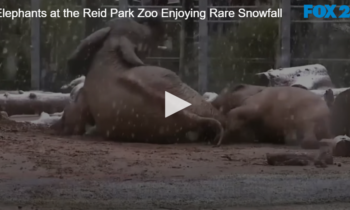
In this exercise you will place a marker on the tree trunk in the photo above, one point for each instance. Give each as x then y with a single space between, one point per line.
33 102
323 158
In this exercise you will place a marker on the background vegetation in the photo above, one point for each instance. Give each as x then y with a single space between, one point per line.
237 51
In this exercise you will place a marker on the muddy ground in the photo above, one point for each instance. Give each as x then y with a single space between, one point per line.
53 172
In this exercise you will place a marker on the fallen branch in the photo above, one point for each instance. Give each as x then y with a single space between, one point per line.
289 159
33 102
322 159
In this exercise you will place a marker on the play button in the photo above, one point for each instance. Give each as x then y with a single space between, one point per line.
174 104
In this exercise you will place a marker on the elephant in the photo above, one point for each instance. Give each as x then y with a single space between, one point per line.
341 114
233 96
131 39
127 100
277 113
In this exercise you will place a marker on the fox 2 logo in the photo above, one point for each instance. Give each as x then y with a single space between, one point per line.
326 11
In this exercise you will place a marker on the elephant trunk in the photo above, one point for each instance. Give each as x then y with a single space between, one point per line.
214 124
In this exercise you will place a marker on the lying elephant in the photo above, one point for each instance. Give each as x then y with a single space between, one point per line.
59 122
128 100
277 113
234 95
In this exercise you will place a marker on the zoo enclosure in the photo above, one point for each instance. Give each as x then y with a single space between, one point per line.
218 51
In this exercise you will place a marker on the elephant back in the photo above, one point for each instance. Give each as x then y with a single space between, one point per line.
131 104
160 80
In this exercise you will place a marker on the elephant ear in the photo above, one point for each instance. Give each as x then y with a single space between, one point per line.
299 86
79 61
128 51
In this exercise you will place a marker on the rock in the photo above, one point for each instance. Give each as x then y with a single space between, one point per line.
323 158
340 145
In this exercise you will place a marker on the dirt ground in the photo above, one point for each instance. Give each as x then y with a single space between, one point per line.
33 152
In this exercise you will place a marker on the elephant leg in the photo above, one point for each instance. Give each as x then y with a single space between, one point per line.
76 116
72 121
68 124
227 136
127 48
309 139
58 126
193 136
290 137
323 130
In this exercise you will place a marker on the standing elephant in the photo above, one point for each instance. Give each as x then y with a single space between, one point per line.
277 112
127 98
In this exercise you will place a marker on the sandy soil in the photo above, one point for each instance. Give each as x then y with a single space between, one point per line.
32 152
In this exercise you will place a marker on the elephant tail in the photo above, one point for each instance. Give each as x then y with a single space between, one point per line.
159 99
214 124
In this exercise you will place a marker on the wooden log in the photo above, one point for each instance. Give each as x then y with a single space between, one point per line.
33 102
340 145
310 77
322 159
289 159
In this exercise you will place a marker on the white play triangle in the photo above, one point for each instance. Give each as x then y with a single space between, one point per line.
174 104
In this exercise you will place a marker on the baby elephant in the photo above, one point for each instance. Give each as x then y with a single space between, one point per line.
275 113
